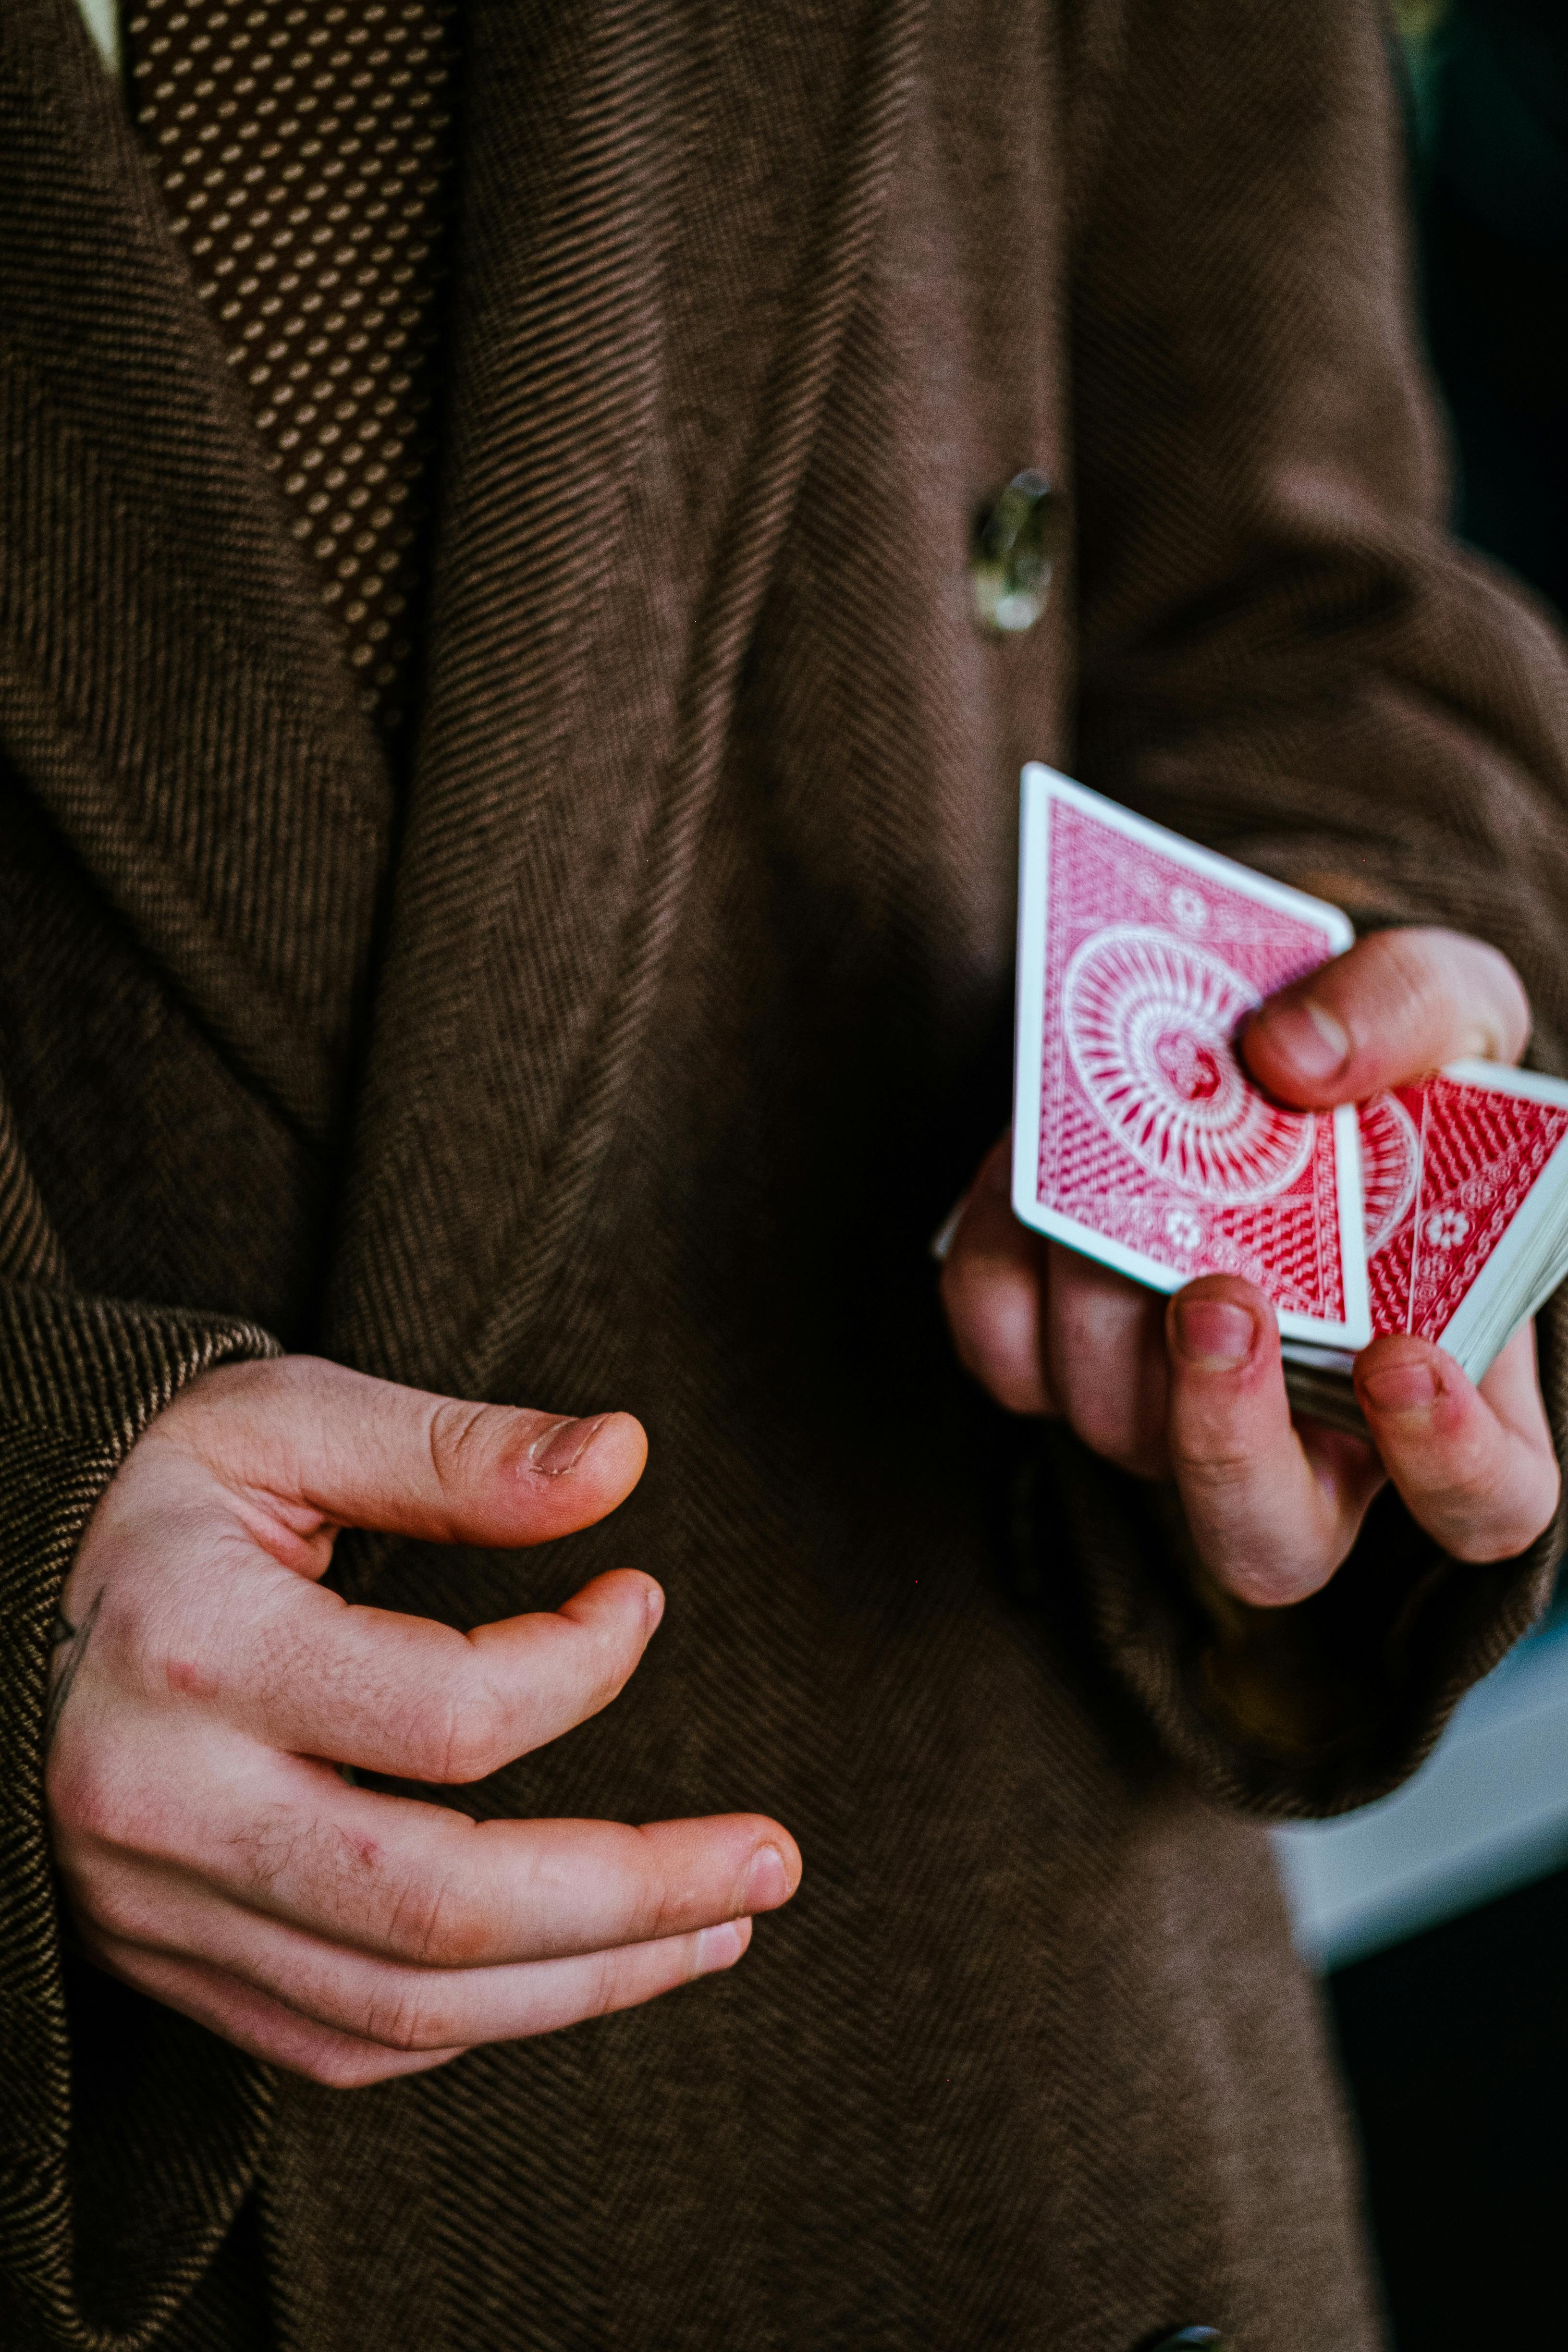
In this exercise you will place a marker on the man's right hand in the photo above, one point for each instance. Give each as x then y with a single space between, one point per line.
206 1689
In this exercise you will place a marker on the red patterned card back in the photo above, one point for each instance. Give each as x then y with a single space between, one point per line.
1151 1135
1447 1167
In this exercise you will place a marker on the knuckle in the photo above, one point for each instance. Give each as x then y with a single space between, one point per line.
1464 1515
611 1665
1410 965
1425 975
112 1903
459 1433
88 1796
608 1984
183 1648
1403 987
663 1913
396 2016
268 1845
457 1734
188 1671
659 1910
1461 1484
1469 1500
1216 1468
438 1926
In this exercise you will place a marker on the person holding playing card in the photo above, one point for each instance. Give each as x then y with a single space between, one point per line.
1158 950
536 541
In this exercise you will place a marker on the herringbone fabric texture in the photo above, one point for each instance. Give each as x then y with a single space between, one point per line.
633 1067
306 152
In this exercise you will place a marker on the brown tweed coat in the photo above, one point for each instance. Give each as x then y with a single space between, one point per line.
629 1057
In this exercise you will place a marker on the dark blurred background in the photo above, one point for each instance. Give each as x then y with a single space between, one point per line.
1442 1918
1486 84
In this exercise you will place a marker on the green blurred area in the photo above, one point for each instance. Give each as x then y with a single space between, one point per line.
1487 86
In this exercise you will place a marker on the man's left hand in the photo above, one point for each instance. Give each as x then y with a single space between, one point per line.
1192 1388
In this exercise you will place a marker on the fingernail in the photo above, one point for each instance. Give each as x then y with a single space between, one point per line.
653 1601
719 1947
767 1881
1214 1334
561 1447
1406 1388
1311 1038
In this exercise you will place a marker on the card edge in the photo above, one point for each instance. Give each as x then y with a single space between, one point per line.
1503 1079
1221 868
1524 1226
1028 1009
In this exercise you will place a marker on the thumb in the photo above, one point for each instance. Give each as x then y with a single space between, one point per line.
323 1446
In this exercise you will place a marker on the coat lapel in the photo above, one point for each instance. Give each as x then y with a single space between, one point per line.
170 687
667 212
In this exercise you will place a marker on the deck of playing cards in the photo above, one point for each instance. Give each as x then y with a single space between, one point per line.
1140 1139
1466 1182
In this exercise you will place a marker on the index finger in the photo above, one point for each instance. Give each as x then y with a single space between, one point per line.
300 1669
1395 1007
1475 1465
992 1269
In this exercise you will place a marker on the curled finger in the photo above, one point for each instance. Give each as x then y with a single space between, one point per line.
991 1291
409 1881
255 2022
1475 1467
1105 1353
414 2012
300 1669
1271 1516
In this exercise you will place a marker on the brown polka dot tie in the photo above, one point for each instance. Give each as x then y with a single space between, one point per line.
304 149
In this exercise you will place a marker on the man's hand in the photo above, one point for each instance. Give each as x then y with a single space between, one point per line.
206 1689
1192 1388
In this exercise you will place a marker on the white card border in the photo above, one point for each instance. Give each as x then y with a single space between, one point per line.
1503 1079
1529 1085
1039 786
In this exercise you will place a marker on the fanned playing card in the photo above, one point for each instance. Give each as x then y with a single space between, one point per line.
1463 1156
1466 1183
1138 1138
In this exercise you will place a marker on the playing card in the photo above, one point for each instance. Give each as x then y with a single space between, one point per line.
1138 1136
1463 1191
1466 1181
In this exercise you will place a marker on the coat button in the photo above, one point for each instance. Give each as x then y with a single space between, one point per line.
1017 544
